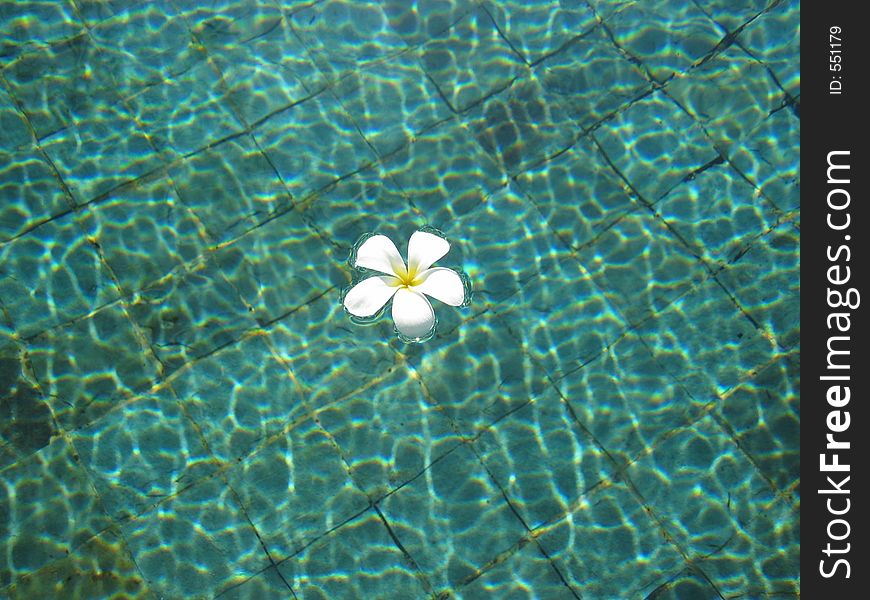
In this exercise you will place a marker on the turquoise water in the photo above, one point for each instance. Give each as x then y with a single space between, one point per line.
187 410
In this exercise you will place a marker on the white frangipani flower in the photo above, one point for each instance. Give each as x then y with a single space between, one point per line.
408 285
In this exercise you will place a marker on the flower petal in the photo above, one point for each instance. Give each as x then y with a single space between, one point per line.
367 297
413 314
442 284
425 248
380 253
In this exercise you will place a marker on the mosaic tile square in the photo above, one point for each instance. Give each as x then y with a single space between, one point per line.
765 281
53 275
15 136
523 574
99 568
680 338
264 584
728 117
49 511
26 421
445 173
691 481
388 432
190 314
591 78
520 127
666 38
747 563
654 146
347 355
89 366
345 35
549 335
623 404
770 159
368 202
732 14
313 144
230 186
265 67
202 116
717 214
609 547
575 196
452 520
391 102
763 415
773 39
640 266
296 489
542 459
474 64
282 265
146 43
238 397
361 546
30 193
26 24
184 542
417 21
141 453
536 30
143 232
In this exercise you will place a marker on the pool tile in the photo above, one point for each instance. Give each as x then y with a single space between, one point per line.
641 266
29 23
313 144
50 510
144 451
542 459
144 232
89 366
654 145
691 481
190 314
53 275
770 159
296 489
609 547
665 38
238 397
539 29
445 173
184 542
765 281
717 214
202 117
521 126
728 118
453 520
591 78
388 432
577 198
391 102
29 193
681 339
231 187
473 64
773 38
343 36
418 21
361 546
763 415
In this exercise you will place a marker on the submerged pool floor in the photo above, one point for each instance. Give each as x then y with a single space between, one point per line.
187 410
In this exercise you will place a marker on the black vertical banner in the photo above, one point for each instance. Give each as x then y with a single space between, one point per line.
834 270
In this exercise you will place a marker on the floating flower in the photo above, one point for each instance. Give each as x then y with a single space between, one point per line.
407 285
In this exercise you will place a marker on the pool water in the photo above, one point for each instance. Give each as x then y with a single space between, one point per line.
188 411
